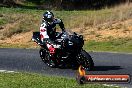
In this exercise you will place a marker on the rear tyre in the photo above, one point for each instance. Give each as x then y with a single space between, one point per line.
46 58
85 60
42 54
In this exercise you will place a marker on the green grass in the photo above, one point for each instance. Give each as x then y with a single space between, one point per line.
30 19
30 45
2 21
123 45
19 20
113 45
24 20
28 80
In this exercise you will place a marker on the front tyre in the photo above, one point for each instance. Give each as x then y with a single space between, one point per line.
85 60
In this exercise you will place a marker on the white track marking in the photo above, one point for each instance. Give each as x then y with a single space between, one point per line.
2 70
110 85
10 71
6 71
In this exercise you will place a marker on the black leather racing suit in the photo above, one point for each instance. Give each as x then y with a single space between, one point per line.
48 32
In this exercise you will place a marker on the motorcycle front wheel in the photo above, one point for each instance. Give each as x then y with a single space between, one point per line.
85 60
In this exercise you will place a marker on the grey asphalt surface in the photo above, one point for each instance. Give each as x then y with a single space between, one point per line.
28 60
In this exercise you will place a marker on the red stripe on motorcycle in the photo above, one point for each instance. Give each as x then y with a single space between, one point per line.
52 49
41 36
42 30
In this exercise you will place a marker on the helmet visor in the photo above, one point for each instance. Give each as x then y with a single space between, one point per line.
49 18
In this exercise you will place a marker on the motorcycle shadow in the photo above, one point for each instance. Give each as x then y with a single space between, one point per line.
68 67
106 68
96 68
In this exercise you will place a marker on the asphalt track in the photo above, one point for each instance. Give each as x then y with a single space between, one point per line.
28 60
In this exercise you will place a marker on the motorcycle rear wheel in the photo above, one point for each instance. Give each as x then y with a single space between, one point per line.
46 58
42 54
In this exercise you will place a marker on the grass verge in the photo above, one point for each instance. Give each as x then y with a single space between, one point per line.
18 20
113 45
23 20
26 45
123 45
28 80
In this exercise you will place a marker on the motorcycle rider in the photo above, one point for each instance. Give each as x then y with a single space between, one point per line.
48 32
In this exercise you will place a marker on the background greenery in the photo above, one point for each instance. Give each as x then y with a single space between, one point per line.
66 4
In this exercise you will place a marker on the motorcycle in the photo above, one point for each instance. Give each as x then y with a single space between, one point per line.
70 51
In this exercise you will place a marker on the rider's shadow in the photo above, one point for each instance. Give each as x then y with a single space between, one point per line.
106 68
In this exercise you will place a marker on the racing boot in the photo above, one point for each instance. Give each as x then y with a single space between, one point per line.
62 64
51 64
